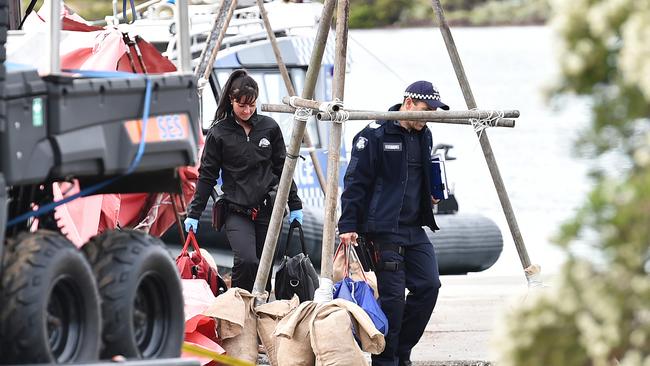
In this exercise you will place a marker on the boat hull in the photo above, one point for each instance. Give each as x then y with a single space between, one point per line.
465 242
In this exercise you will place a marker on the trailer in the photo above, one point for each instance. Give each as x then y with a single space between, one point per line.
119 294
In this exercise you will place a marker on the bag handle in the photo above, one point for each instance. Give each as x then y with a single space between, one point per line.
344 253
349 252
353 254
295 224
191 239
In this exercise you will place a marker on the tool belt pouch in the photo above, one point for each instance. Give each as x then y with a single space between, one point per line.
269 199
218 213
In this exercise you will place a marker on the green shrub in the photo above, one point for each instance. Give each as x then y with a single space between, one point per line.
602 300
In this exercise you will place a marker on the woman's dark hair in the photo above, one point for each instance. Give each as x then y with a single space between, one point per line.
239 86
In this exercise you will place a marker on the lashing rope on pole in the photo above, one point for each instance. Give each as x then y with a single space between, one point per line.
491 120
336 117
341 116
302 114
332 106
292 100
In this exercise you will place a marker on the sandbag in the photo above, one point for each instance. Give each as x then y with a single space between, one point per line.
331 334
293 343
332 340
268 317
237 323
372 340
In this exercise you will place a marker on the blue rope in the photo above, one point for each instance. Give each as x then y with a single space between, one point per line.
104 74
135 15
94 188
145 118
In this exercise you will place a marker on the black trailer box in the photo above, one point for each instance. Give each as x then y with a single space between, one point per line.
96 123
26 155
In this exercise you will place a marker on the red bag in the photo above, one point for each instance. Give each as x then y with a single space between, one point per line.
192 266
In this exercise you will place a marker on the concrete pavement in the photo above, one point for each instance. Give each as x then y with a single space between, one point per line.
465 317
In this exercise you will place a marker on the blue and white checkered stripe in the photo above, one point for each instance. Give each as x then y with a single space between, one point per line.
434 96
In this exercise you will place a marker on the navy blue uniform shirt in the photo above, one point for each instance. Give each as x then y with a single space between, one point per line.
377 182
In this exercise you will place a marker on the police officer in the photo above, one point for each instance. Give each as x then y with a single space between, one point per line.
387 198
248 151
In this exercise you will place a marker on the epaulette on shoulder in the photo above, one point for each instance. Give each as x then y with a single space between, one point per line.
374 125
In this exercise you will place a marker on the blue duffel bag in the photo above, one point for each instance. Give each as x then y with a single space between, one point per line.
360 293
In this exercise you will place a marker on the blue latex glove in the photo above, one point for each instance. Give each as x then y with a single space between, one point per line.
295 215
191 223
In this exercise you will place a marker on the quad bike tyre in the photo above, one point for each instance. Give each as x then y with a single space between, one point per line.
49 304
142 298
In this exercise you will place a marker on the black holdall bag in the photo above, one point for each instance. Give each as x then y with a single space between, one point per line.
367 253
296 275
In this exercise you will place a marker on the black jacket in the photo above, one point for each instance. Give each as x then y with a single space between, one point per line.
375 181
250 166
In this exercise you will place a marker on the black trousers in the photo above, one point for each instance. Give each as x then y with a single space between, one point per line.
407 317
246 238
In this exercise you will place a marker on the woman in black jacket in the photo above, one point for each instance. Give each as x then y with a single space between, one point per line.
247 150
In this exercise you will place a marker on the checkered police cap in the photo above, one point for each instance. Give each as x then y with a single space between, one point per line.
426 92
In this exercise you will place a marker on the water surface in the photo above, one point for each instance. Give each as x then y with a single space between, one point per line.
508 68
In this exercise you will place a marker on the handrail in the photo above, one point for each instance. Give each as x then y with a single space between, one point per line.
54 37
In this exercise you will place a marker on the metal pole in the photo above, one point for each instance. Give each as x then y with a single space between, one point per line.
276 50
289 85
184 58
212 46
275 225
483 137
331 194
319 48
54 37
222 34
115 11
177 214
3 209
218 26
15 16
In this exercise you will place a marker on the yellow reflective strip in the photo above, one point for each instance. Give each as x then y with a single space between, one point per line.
224 359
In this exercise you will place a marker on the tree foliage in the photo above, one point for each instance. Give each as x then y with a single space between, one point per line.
381 13
602 301
377 13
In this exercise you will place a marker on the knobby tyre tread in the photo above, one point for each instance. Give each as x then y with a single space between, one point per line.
50 310
142 299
